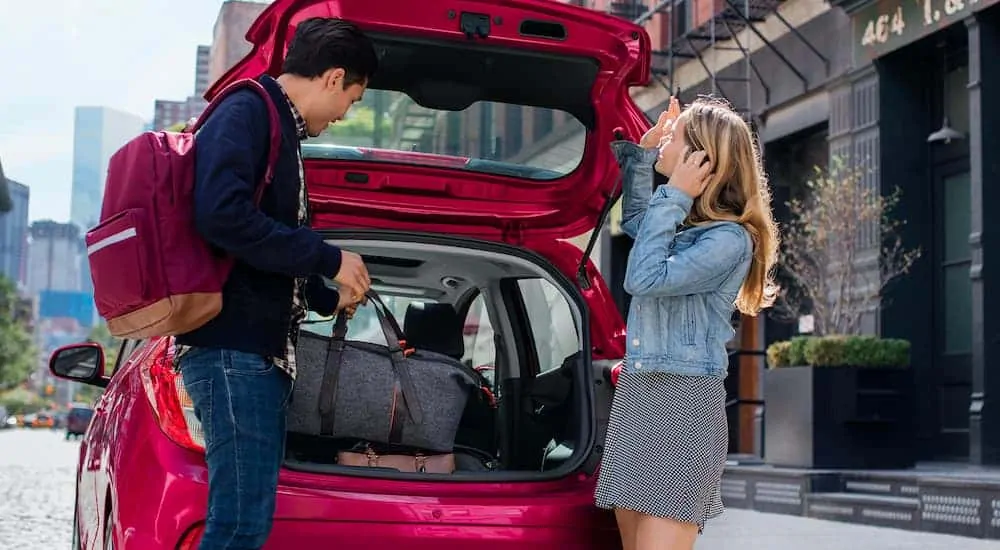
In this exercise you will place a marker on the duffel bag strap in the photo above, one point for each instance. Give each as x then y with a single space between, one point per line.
328 388
389 317
396 343
390 326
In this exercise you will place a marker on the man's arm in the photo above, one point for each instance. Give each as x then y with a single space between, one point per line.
321 298
228 148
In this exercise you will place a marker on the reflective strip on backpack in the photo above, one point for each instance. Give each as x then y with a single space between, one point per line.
123 235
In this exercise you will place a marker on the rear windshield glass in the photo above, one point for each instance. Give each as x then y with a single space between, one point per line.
487 137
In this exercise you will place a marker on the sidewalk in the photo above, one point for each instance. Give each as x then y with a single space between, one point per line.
747 530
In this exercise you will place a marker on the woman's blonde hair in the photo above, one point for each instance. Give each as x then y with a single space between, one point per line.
738 192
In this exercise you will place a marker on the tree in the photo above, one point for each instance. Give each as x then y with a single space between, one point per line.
87 394
359 123
17 351
99 334
22 401
841 250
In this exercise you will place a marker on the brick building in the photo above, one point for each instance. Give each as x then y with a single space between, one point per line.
229 43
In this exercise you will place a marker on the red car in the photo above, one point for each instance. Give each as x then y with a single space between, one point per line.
428 181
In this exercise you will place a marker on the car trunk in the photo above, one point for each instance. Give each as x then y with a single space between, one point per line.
521 328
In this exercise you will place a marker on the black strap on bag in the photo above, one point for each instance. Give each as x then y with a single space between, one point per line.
396 344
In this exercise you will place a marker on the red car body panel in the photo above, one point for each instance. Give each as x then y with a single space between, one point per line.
155 492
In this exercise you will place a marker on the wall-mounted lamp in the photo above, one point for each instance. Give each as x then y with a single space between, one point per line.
946 133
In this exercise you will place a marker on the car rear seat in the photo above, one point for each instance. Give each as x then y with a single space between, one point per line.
438 328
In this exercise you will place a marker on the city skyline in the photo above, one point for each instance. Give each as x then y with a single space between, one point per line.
97 133
59 74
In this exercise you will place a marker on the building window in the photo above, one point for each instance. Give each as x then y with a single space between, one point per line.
680 20
541 124
513 131
956 256
453 133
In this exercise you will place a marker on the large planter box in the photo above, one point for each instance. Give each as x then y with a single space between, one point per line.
839 417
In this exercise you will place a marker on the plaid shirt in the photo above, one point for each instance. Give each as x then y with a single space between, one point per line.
299 306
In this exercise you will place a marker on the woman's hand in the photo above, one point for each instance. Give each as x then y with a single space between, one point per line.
692 173
664 125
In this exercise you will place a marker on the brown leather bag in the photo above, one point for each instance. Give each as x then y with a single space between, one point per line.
430 464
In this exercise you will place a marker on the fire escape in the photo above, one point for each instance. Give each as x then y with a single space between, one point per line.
413 125
706 30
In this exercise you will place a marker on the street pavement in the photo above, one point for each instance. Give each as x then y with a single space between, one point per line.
37 468
36 511
745 530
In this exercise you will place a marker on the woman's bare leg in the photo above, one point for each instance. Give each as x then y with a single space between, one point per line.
654 533
628 521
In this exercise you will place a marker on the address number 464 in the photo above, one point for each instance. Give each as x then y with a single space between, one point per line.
877 30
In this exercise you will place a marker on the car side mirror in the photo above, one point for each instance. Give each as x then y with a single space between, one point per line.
79 362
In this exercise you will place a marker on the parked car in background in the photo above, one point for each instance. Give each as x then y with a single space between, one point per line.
78 419
43 420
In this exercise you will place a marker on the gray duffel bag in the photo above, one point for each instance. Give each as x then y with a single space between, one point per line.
382 394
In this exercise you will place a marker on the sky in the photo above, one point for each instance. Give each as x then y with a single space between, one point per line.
59 54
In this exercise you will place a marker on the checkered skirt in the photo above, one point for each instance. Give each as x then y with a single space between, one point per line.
666 447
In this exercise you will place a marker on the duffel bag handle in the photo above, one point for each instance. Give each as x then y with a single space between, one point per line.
395 341
394 337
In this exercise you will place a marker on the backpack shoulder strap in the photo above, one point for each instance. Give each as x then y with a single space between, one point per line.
274 123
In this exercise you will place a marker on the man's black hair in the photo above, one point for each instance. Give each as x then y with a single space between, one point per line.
323 43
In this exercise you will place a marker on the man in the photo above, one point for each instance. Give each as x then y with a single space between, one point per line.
239 368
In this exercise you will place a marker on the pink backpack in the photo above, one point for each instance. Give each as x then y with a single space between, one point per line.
153 273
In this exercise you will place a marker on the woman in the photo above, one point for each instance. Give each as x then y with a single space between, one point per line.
705 244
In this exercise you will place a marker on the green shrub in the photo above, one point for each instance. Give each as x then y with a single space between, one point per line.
797 350
825 352
857 349
835 351
891 352
777 354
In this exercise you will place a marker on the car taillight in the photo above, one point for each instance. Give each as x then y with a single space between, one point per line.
171 403
192 538
613 373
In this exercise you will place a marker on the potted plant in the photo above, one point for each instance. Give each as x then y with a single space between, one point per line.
838 402
840 397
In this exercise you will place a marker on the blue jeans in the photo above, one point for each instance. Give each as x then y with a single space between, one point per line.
240 400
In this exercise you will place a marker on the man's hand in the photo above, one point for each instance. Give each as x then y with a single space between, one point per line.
353 276
347 303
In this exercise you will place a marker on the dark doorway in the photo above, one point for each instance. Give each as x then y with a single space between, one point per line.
950 375
952 371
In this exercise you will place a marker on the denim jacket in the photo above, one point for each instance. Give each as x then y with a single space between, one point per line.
683 282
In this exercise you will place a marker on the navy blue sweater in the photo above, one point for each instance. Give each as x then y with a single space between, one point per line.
270 248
